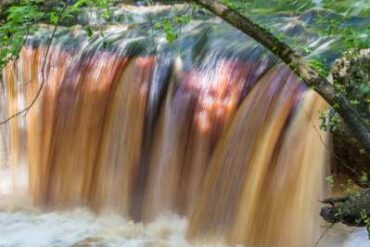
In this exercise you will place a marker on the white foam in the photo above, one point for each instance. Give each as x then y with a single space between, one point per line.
358 238
343 236
78 227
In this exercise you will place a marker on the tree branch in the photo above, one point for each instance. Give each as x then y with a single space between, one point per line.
298 64
352 210
38 93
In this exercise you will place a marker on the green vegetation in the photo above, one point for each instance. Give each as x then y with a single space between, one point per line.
348 7
21 19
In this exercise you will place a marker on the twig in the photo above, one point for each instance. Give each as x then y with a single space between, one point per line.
333 200
323 234
26 110
325 144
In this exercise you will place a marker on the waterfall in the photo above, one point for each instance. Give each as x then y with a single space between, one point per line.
210 128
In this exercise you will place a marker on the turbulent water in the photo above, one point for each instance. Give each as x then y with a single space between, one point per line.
206 140
80 228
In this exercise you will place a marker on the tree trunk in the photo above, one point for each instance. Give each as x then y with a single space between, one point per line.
352 210
298 65
292 58
351 72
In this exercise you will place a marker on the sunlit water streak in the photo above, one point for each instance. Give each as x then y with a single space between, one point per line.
209 131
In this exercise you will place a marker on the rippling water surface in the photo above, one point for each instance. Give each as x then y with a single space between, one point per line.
198 127
78 228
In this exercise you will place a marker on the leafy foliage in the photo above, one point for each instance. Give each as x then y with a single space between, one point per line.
19 23
22 19
172 28
348 7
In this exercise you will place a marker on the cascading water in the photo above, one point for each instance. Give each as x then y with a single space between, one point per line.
208 128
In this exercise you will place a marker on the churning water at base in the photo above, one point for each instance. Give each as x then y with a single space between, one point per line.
209 127
81 228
